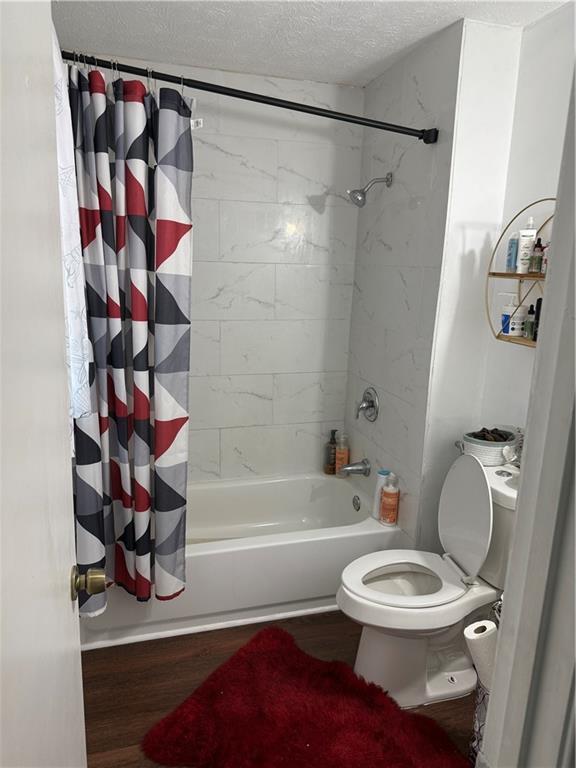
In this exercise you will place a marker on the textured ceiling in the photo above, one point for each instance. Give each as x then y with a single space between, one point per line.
346 41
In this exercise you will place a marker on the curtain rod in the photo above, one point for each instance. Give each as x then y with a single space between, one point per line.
428 136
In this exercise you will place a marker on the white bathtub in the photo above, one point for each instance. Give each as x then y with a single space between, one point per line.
257 550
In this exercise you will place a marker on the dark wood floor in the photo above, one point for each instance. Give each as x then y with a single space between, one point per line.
130 687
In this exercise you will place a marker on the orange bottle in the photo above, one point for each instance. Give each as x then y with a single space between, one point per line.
342 452
389 498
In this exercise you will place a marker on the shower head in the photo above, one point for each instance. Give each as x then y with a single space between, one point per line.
358 196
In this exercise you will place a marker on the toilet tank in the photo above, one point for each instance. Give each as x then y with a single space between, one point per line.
503 483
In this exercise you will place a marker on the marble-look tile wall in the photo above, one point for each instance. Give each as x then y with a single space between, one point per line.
398 258
274 248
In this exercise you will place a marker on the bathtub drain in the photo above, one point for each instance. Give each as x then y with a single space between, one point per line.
356 503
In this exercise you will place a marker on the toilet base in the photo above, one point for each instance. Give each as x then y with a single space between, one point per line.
416 669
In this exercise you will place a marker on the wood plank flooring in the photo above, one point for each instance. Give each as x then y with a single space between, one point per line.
128 688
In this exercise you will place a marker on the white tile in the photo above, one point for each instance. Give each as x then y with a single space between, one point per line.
388 297
203 454
279 450
205 230
396 361
223 291
230 401
284 346
293 234
204 348
235 168
240 118
317 174
399 429
306 397
308 292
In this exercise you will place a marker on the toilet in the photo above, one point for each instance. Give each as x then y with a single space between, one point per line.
414 605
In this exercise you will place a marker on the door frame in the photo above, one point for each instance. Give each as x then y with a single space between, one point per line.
42 715
530 714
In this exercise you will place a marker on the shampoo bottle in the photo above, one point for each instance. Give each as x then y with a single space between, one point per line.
389 498
525 247
512 253
330 454
342 452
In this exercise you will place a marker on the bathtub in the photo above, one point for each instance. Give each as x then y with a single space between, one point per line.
257 550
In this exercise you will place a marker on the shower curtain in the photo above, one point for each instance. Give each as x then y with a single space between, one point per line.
133 155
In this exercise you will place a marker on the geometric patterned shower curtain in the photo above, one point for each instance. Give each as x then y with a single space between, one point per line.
133 155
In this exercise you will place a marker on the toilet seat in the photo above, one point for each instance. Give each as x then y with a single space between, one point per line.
402 569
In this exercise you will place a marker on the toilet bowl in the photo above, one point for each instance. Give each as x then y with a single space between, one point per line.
414 605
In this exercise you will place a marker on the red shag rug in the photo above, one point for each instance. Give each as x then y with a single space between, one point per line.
273 706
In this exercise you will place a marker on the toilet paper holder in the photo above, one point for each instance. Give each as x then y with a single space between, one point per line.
495 612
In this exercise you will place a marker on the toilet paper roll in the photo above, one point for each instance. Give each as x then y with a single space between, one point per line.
481 637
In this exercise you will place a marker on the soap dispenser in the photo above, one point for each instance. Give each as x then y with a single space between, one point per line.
330 454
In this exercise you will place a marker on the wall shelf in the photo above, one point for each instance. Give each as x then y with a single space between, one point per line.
536 276
516 340
535 279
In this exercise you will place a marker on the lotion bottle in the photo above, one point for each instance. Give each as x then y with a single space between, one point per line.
389 498
382 477
507 311
525 247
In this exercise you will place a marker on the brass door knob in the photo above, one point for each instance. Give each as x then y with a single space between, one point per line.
93 581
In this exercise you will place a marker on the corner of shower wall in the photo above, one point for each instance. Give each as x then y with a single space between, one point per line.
483 130
398 260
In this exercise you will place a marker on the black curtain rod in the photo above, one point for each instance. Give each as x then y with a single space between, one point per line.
428 136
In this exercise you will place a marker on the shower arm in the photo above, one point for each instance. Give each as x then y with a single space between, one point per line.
382 180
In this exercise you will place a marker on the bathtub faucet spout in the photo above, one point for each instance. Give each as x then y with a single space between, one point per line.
356 468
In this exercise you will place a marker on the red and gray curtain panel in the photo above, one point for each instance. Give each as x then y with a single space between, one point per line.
133 154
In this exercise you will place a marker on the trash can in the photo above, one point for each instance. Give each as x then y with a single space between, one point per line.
482 697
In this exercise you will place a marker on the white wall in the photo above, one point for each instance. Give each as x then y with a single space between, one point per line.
541 107
398 259
274 246
484 118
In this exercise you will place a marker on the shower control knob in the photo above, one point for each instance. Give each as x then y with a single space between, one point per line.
370 405
93 581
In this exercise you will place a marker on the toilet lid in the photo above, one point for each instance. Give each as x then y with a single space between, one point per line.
465 514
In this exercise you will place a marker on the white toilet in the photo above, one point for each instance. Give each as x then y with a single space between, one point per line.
414 605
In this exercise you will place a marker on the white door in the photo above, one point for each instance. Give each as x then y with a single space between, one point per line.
42 717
